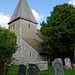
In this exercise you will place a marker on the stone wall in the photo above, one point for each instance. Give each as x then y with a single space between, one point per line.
29 29
25 53
17 28
29 54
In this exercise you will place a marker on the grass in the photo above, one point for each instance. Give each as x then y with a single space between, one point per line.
14 70
50 71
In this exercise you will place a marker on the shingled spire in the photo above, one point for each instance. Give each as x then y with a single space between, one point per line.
23 11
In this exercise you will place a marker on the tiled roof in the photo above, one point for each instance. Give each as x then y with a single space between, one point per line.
23 11
39 34
34 43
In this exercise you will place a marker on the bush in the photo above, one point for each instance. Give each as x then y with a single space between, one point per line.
8 46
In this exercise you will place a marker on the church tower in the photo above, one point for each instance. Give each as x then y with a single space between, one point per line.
25 26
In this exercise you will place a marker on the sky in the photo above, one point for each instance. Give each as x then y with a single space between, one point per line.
40 9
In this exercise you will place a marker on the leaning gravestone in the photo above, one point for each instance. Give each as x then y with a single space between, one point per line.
33 69
58 66
22 70
67 64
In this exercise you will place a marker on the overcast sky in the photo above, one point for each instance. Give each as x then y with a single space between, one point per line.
40 8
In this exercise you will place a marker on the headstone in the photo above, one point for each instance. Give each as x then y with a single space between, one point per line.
58 66
67 64
22 70
33 69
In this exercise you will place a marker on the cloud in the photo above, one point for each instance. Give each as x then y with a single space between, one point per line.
72 2
4 19
36 15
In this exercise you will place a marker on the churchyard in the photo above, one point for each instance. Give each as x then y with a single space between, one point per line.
42 68
23 43
14 70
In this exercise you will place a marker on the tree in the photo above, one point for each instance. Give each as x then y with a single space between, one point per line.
8 46
59 30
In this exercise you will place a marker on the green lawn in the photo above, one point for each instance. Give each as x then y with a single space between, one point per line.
14 70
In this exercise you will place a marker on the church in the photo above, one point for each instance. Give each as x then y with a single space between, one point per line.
28 36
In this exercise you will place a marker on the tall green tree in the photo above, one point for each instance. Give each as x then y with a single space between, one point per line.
59 30
8 46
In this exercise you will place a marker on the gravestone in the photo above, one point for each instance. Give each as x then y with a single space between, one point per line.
67 64
22 70
58 66
33 69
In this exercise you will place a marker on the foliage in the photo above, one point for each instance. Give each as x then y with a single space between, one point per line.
8 45
59 30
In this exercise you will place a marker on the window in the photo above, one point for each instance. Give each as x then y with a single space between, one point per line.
13 26
30 54
33 54
29 25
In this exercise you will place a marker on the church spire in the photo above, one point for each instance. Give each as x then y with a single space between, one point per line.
23 11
